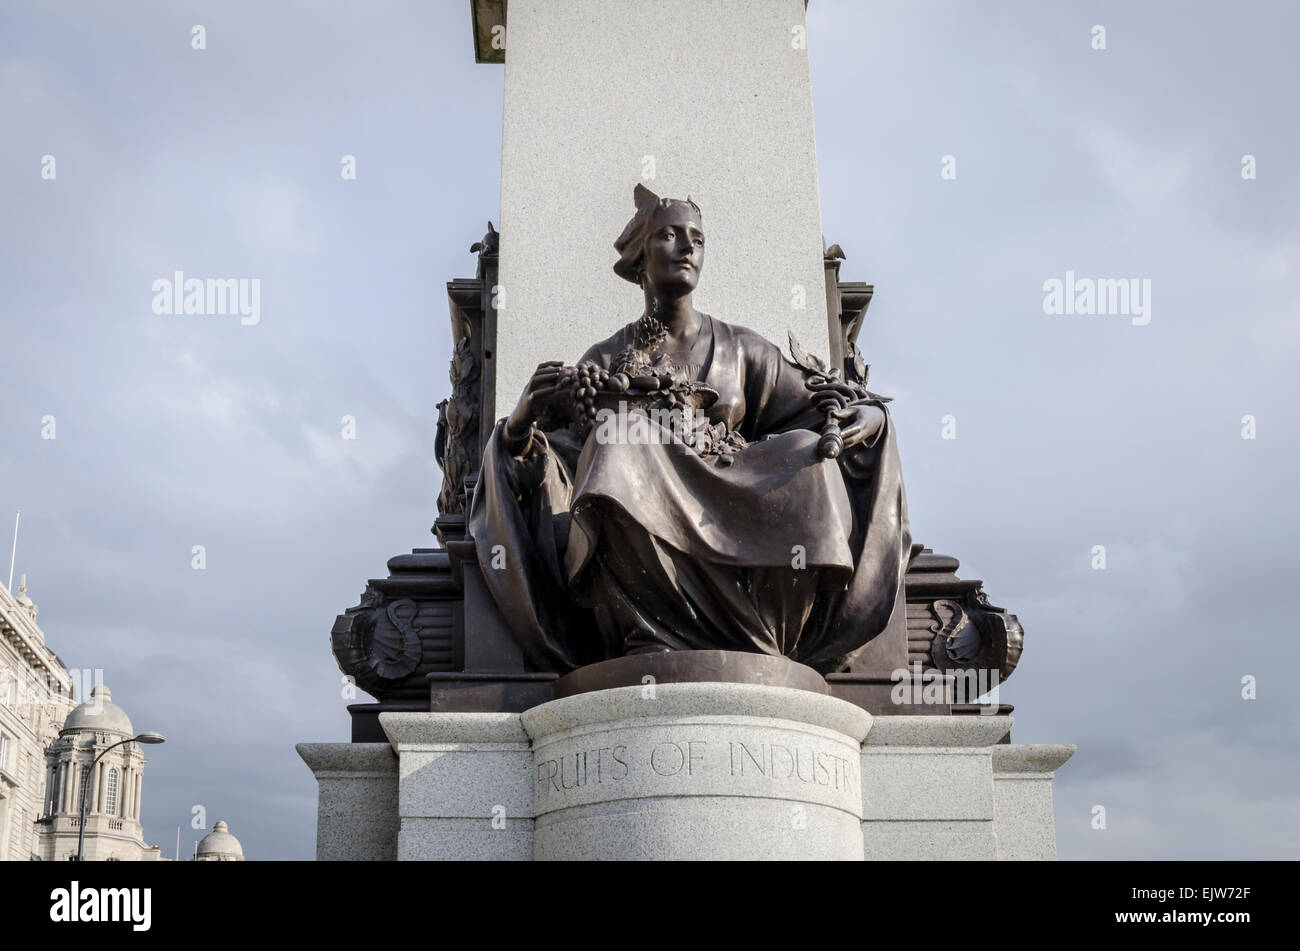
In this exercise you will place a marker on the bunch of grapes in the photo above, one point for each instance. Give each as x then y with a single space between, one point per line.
583 382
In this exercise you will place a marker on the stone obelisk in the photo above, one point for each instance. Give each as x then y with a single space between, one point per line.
707 99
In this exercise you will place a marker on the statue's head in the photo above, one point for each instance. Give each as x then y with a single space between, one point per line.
662 247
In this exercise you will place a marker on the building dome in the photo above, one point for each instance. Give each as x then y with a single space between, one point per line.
100 714
219 846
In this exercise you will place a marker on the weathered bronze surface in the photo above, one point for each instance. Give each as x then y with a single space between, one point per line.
774 523
470 660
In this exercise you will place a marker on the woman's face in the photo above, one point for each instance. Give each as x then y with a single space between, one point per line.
674 251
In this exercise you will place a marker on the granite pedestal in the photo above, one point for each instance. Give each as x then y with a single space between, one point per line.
686 771
928 787
357 816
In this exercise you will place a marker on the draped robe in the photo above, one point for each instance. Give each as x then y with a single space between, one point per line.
599 548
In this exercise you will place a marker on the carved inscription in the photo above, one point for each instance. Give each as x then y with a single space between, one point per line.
573 770
672 759
778 762
800 763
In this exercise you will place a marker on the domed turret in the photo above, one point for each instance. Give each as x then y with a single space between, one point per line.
219 846
100 714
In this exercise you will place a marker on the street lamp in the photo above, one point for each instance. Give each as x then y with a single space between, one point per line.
90 771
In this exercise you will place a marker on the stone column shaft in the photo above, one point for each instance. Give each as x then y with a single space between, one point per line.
707 100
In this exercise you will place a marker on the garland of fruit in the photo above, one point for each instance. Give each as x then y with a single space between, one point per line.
636 380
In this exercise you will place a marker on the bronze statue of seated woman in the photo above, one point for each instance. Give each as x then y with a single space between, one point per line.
758 507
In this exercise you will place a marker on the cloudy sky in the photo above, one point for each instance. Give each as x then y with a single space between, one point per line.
1071 431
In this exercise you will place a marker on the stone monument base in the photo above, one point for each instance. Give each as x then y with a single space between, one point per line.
692 770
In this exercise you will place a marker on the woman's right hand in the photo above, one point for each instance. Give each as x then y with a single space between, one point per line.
540 386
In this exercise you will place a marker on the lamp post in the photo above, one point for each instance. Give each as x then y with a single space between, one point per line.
90 771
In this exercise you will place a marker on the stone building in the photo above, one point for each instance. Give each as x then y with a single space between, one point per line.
36 692
47 742
219 846
113 790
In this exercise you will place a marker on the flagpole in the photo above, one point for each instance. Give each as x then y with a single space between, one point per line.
13 554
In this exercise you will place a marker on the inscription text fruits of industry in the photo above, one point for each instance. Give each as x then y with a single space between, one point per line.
752 764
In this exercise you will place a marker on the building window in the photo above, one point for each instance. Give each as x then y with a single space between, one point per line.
53 805
4 751
110 806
